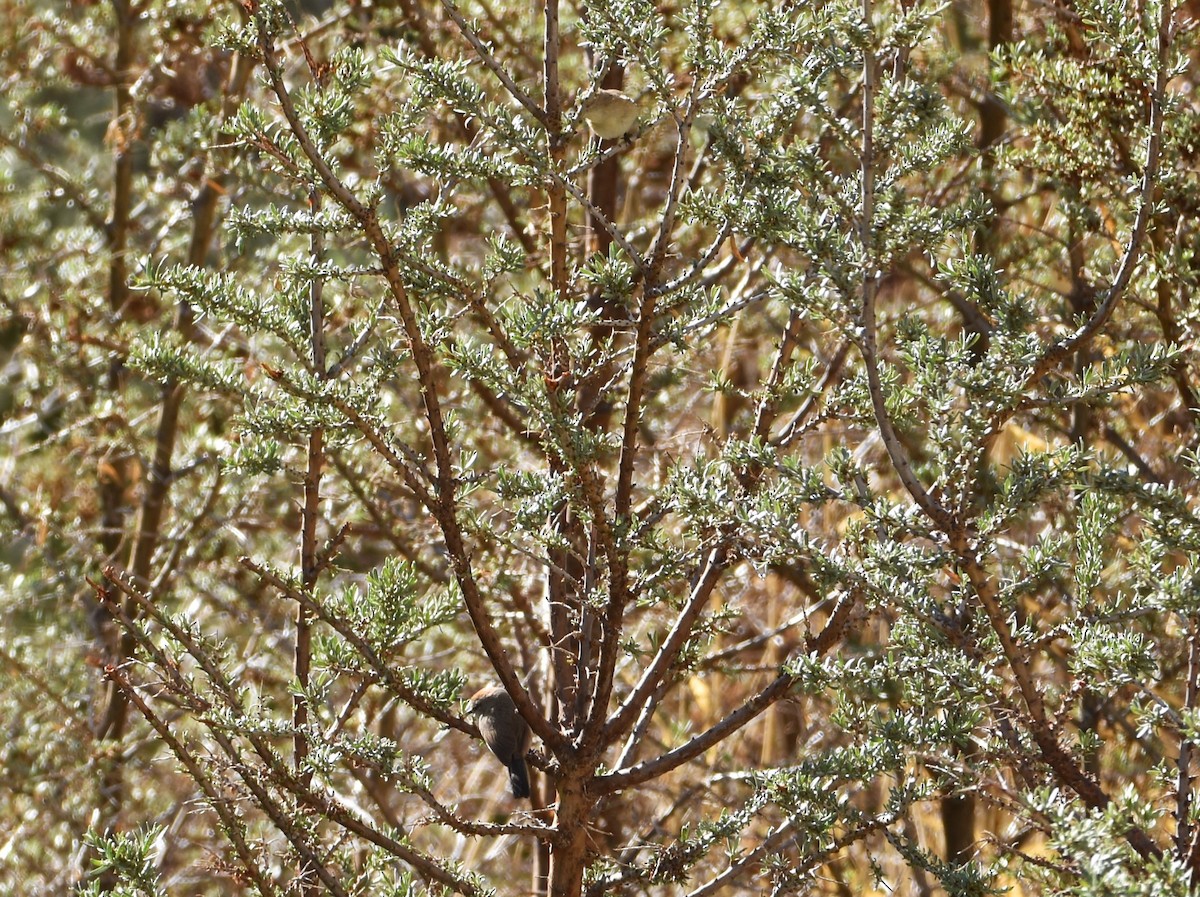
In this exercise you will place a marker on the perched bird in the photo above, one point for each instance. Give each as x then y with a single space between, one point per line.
610 114
505 733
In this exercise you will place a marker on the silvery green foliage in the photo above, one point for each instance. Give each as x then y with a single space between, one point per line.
826 418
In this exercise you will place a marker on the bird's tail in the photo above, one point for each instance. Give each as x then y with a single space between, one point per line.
518 777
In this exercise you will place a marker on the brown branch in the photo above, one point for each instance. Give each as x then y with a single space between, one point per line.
1040 726
833 370
568 855
283 820
717 658
383 672
618 559
635 395
231 821
412 475
1132 255
715 562
751 860
764 414
444 503
404 548
451 820
618 556
835 627
817 645
112 721
964 544
309 564
656 255
281 774
166 665
868 335
652 769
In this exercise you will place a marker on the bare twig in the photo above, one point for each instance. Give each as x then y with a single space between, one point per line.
545 116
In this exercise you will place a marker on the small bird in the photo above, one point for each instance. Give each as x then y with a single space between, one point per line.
610 114
504 731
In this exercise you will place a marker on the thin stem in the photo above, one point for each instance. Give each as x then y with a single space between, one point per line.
764 414
443 503
662 239
1041 727
752 860
715 563
393 682
231 822
1133 250
833 370
868 336
549 119
777 689
309 563
659 766
278 773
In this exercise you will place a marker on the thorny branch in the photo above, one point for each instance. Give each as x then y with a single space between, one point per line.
444 499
